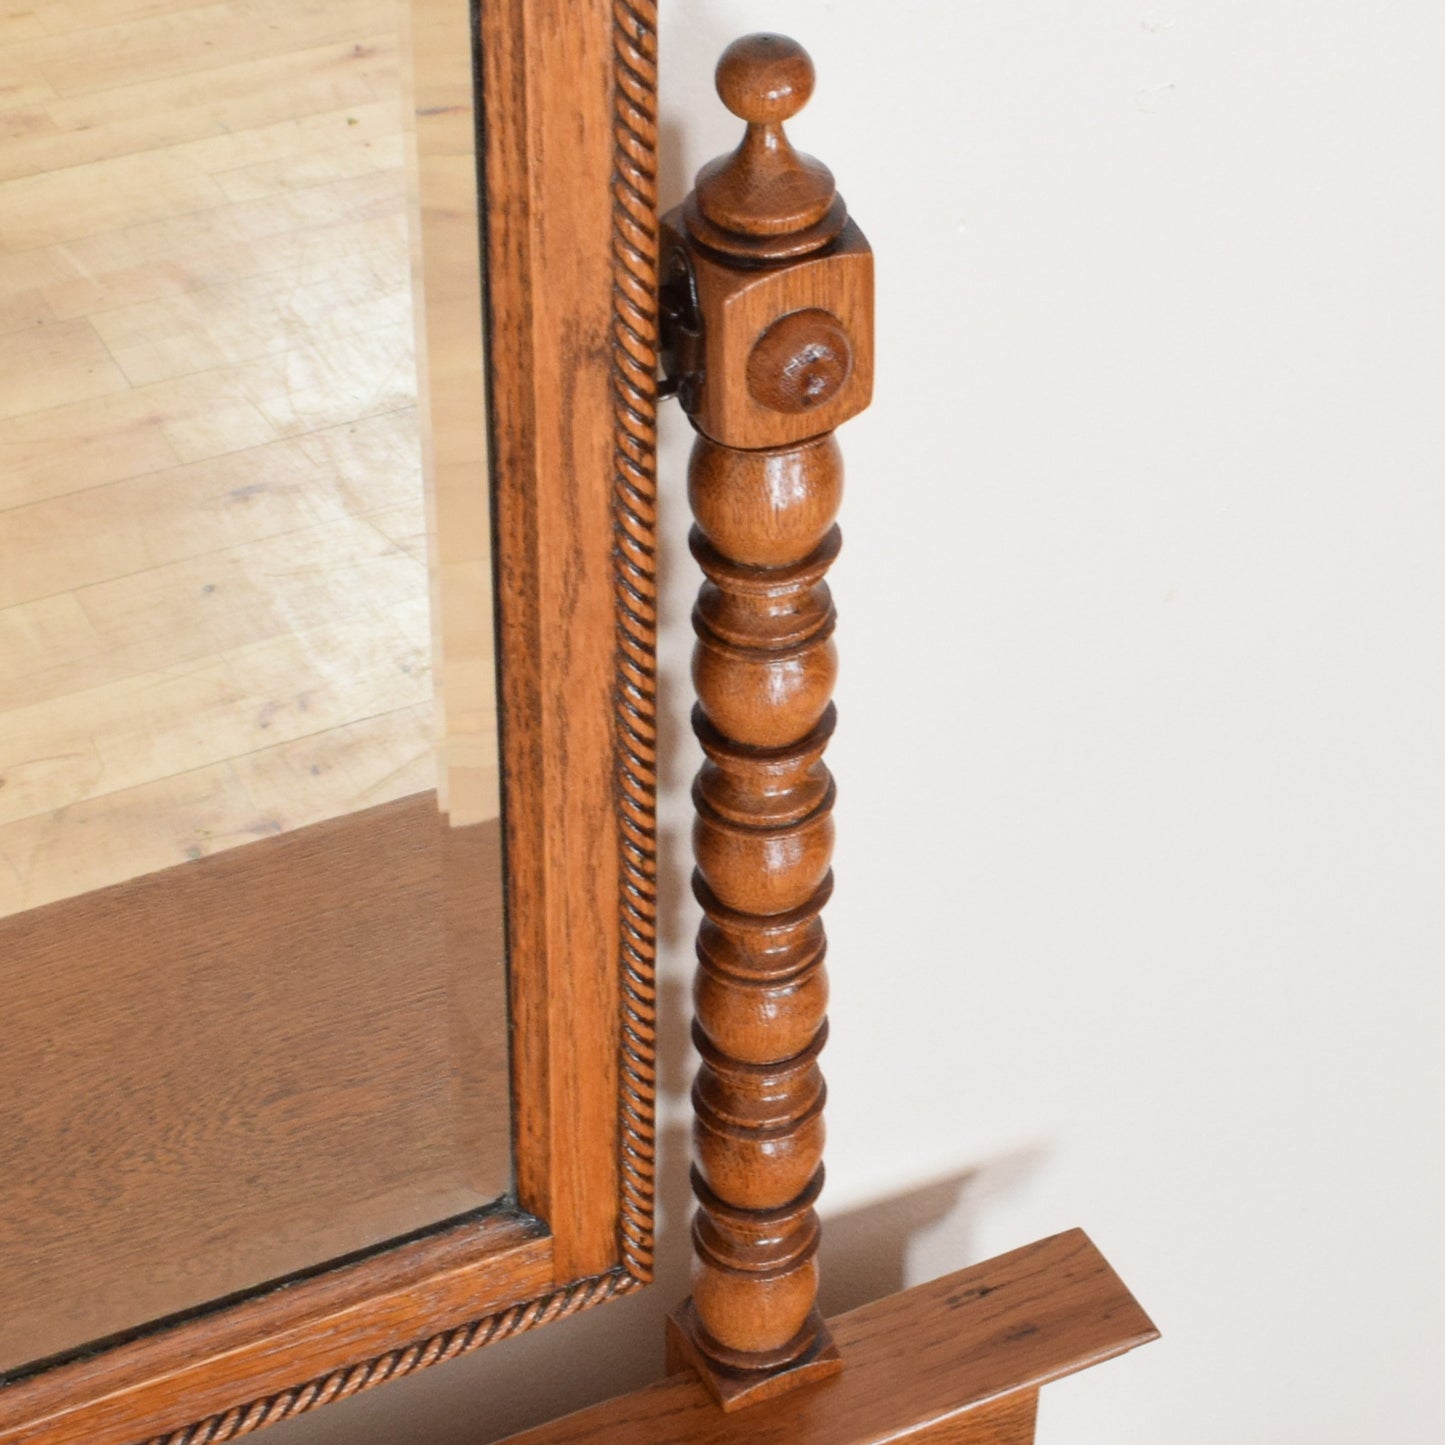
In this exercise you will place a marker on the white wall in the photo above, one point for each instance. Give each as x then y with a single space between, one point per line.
1142 828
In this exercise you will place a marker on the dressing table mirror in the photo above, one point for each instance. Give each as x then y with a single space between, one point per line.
328 612
327 505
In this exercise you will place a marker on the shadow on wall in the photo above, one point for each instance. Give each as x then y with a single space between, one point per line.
868 1253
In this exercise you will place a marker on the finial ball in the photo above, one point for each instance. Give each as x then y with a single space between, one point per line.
765 79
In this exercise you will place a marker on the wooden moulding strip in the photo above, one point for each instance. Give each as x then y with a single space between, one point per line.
411 1295
915 1365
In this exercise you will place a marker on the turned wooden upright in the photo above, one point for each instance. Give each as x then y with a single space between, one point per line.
767 310
770 292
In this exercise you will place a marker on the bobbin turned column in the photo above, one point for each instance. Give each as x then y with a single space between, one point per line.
769 297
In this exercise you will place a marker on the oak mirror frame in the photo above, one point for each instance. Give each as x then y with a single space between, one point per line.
566 100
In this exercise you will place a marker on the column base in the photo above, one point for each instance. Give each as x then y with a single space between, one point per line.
735 1380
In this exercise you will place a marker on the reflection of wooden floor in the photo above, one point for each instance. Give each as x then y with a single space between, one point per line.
213 619
245 1066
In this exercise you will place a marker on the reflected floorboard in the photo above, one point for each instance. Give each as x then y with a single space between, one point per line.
212 560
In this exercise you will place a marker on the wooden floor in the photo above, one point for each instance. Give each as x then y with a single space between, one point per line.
213 594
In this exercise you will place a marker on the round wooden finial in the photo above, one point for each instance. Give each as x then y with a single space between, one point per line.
765 200
765 79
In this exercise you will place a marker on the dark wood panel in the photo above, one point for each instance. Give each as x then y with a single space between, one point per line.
245 1066
912 1363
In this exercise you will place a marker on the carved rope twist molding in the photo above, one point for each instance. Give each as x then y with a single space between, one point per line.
352 1379
634 389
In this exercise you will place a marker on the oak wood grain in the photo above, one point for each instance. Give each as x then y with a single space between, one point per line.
917 1362
401 1309
574 404
1009 1422
782 288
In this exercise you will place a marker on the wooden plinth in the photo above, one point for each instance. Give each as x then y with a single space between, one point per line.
749 1381
959 1361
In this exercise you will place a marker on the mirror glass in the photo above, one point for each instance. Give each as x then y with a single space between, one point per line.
251 890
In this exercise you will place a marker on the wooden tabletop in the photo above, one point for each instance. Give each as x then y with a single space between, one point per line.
912 1362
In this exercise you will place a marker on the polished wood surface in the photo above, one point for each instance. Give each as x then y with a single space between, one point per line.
572 243
783 280
344 1331
765 193
240 1099
957 1360
213 584
769 303
1010 1422
782 287
571 206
